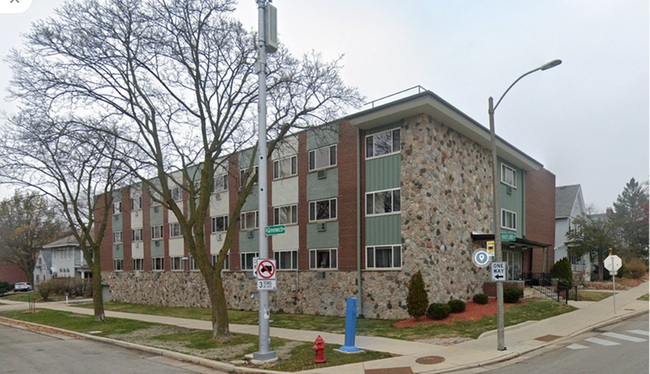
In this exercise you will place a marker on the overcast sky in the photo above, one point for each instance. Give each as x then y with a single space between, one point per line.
586 120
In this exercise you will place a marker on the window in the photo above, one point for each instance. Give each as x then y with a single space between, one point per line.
285 215
118 264
247 260
383 143
220 183
285 167
322 259
176 263
136 203
138 264
508 219
117 207
226 262
219 224
383 202
193 265
384 257
286 260
136 235
157 263
244 175
322 210
176 193
156 232
249 220
576 259
508 176
175 230
117 237
322 157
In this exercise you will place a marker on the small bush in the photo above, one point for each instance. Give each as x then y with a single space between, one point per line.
636 268
456 306
562 271
512 294
5 287
417 300
438 310
481 298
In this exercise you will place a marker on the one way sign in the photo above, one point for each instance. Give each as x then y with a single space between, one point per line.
498 271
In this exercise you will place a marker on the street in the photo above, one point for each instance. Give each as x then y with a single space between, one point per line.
619 348
25 351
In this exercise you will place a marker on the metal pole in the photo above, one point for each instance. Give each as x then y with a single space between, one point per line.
614 283
497 228
264 353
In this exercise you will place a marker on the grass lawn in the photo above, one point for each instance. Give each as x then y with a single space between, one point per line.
21 296
644 298
584 295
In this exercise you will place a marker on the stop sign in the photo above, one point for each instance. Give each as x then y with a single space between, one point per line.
613 263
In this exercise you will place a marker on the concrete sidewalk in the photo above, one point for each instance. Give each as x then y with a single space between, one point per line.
519 339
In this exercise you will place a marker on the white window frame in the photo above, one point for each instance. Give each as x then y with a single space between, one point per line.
138 264
244 256
136 203
117 237
243 175
395 256
175 230
118 264
281 165
323 157
214 227
280 260
193 265
290 210
176 263
117 207
332 254
176 193
158 264
313 210
506 173
156 232
513 217
393 144
136 235
226 262
372 199
220 183
243 220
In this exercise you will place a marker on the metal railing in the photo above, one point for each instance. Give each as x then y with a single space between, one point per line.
549 286
418 87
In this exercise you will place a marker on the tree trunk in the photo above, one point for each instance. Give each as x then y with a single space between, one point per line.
220 327
601 270
98 299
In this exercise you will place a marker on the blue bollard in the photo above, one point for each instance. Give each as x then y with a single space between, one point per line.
350 327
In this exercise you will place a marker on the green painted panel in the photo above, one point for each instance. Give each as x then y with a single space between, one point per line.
247 243
245 157
252 201
383 173
389 126
512 198
158 251
323 239
322 136
323 188
156 215
382 230
118 251
117 222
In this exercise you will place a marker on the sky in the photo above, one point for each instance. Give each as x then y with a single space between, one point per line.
586 121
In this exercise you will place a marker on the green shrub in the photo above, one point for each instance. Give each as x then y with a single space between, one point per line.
438 310
636 268
456 306
417 300
5 287
562 271
512 294
481 298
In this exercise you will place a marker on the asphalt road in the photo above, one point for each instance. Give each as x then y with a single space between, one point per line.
619 348
24 351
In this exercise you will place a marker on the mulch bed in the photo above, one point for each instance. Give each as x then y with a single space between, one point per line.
473 312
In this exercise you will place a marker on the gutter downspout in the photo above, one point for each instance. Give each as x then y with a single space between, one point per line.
360 290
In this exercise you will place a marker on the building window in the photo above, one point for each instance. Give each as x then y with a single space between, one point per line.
176 193
176 263
508 219
384 257
175 230
226 262
286 260
323 258
117 207
383 143
508 176
383 202
136 203
219 224
118 264
193 265
220 183
249 220
156 232
322 157
247 260
322 210
157 263
285 215
285 167
117 237
138 264
136 235
244 175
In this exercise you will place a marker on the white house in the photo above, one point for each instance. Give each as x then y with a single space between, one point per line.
570 204
67 259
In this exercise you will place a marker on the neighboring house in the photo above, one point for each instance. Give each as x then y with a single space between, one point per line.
43 268
67 259
367 201
570 204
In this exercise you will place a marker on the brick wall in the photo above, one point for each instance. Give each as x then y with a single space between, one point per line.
348 202
540 216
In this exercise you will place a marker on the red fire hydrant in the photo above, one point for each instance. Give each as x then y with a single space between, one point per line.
319 348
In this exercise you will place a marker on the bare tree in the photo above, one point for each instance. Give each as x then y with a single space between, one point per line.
27 222
179 78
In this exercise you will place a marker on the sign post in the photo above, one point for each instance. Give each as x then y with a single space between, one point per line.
613 263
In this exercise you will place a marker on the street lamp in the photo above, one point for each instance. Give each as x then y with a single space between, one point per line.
495 196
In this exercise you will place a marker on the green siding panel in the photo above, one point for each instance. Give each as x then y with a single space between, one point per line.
512 198
247 244
322 136
118 251
384 230
117 222
323 239
252 201
323 188
383 172
157 251
156 216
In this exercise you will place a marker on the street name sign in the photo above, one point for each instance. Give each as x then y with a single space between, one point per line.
498 271
508 237
275 230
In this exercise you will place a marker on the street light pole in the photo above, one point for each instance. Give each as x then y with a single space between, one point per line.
495 201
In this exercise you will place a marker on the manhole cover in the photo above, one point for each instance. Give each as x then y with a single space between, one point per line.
430 360
547 338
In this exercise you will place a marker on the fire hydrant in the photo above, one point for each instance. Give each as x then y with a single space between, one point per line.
319 348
